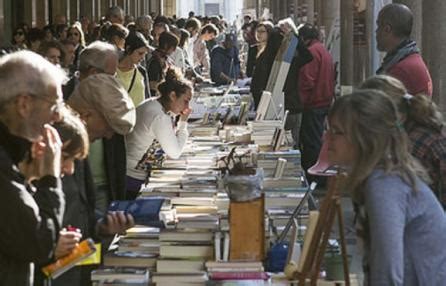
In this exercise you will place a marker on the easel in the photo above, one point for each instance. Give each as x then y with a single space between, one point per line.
330 207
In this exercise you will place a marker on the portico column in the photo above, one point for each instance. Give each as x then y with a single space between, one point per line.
434 43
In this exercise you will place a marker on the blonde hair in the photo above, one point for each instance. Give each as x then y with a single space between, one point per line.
417 108
371 123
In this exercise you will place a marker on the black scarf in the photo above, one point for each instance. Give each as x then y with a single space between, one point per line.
406 48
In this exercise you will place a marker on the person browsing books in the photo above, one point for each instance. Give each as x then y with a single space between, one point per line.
399 221
30 217
424 124
154 128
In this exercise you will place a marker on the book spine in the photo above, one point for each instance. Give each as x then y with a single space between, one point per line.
226 247
217 246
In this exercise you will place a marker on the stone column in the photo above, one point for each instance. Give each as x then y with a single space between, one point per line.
346 22
310 11
417 9
434 43
328 13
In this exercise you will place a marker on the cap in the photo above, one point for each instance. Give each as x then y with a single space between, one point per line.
104 94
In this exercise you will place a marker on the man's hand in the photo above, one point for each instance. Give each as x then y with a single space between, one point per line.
115 222
45 156
67 241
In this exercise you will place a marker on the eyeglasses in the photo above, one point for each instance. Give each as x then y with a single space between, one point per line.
56 106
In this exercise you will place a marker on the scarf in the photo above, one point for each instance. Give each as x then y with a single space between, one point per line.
406 48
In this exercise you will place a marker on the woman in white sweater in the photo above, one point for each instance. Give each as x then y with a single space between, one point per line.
155 130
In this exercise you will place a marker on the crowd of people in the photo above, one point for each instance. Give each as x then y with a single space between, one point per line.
86 108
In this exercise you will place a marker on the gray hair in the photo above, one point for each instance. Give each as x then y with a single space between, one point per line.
96 55
26 72
141 21
114 11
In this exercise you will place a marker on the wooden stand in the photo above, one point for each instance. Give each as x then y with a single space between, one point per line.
330 208
247 230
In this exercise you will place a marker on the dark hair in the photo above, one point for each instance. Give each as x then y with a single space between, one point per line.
209 28
181 23
35 34
50 29
399 17
185 35
192 24
134 41
309 32
73 134
117 30
43 49
60 28
175 82
15 32
167 40
161 19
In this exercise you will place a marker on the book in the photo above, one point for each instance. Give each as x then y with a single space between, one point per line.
179 266
130 259
193 201
186 251
145 211
239 276
204 236
83 250
170 279
120 273
224 266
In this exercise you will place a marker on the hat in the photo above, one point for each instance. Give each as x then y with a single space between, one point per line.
104 94
134 41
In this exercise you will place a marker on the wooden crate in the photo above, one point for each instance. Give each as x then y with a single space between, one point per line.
247 230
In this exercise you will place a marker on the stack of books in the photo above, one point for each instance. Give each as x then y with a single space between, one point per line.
230 272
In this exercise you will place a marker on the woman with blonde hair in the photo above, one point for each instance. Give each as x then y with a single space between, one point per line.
76 35
424 125
399 221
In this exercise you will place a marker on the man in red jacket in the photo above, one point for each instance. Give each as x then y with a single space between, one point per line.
403 60
316 91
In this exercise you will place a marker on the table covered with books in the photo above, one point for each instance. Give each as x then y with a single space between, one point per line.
189 242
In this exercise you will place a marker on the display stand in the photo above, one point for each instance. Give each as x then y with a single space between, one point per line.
330 208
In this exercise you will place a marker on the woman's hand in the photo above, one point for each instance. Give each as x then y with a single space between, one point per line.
184 115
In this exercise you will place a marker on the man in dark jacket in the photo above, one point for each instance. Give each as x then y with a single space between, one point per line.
225 62
29 222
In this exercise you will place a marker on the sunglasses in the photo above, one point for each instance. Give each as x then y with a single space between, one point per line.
73 34
19 33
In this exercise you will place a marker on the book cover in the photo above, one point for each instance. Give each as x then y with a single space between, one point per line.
145 211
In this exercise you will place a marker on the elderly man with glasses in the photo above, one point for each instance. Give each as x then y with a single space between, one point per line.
30 215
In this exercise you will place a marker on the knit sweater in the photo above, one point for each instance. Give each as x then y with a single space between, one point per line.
403 231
